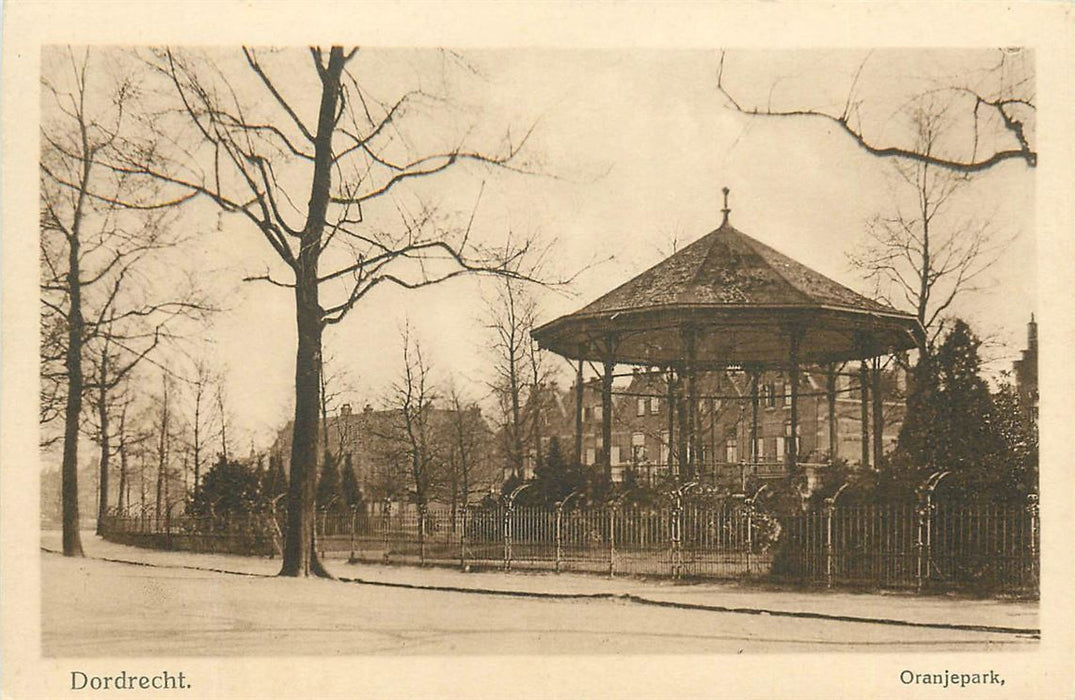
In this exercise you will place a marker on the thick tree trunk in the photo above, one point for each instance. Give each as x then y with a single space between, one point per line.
123 499
300 556
106 448
300 553
162 459
72 541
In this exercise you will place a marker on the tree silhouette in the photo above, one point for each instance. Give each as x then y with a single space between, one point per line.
303 161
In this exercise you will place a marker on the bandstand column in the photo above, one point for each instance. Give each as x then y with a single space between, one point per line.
793 356
834 442
578 412
755 378
690 339
683 467
878 414
606 407
671 402
864 398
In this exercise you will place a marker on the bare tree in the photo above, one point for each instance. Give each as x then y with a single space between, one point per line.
995 112
250 147
412 397
127 440
923 258
92 253
202 425
201 418
335 384
466 442
539 376
512 314
164 444
220 396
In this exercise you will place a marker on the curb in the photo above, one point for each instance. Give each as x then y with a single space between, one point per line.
629 597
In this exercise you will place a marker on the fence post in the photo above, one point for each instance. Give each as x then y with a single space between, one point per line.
508 512
559 535
925 528
612 540
386 516
749 503
462 529
354 518
168 526
924 537
421 534
1032 511
830 511
677 527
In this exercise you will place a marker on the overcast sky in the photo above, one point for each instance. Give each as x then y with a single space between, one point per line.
633 147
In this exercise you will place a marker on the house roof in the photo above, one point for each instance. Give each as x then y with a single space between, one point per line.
738 298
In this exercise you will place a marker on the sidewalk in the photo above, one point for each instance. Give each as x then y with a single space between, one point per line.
893 608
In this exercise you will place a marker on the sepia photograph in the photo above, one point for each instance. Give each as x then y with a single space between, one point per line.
527 361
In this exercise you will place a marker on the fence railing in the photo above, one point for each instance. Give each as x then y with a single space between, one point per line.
924 546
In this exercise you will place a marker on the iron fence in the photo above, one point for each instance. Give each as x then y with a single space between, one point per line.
922 546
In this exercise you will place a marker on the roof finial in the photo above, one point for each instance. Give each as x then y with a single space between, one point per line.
725 210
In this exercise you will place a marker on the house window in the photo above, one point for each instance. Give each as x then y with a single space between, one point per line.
654 405
759 449
598 412
768 395
787 395
731 450
779 451
638 448
616 454
787 433
641 408
664 447
591 456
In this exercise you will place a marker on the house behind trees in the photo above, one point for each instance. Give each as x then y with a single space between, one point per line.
1026 370
372 443
641 449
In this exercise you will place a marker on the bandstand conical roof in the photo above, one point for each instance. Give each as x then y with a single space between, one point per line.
740 300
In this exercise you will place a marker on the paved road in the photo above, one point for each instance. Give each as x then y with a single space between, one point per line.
94 608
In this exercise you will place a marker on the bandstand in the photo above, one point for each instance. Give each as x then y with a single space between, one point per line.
730 303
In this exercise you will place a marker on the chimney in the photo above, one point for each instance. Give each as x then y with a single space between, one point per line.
367 409
1032 335
345 410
